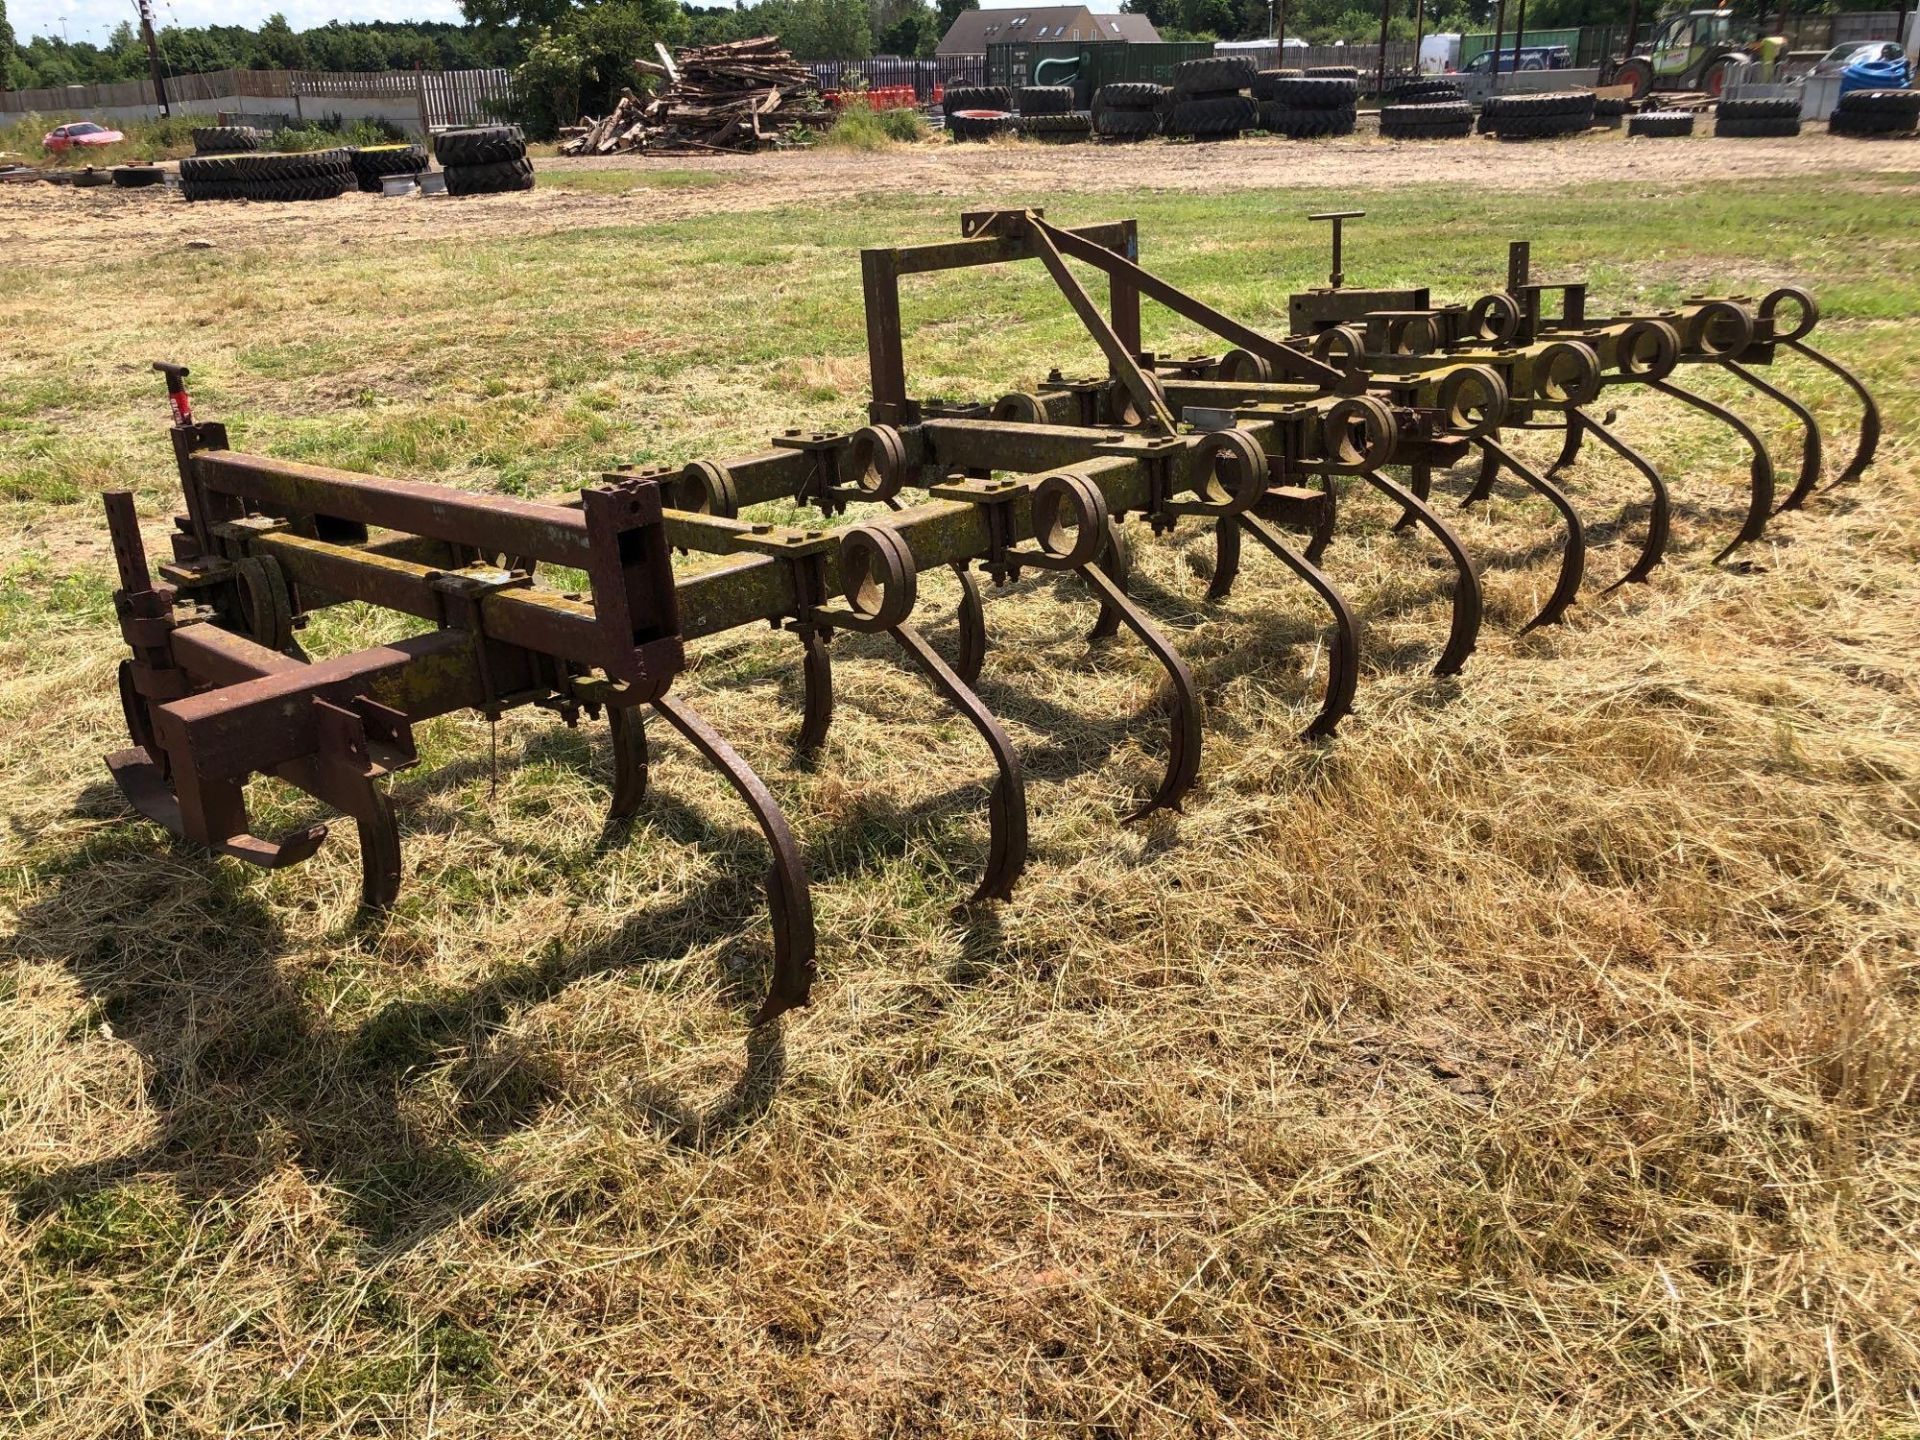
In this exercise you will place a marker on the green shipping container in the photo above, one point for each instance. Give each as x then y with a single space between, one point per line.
1472 45
1088 64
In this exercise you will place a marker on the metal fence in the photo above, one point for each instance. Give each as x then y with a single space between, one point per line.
1472 45
1363 57
443 97
887 72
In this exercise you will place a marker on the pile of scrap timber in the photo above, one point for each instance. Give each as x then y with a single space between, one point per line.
735 96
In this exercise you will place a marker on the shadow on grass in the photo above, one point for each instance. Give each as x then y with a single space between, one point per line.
179 959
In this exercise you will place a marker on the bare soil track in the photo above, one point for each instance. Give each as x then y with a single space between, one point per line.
67 224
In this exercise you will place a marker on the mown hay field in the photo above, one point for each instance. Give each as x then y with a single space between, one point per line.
1537 1058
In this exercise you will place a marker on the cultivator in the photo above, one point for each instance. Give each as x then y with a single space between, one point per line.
1256 441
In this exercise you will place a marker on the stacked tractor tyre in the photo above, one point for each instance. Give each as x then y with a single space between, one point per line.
1305 107
1661 124
1429 91
484 159
1610 112
977 112
228 140
1129 110
1545 116
1208 98
373 163
316 175
1427 120
1757 118
1876 112
1047 113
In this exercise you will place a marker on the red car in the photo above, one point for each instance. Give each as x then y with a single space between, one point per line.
83 132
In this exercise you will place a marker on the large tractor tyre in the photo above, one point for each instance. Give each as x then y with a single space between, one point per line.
1573 104
215 190
1661 124
1426 92
1537 127
1768 129
1446 130
135 177
479 145
1130 95
1610 107
1636 71
977 97
1337 72
288 191
1316 92
1788 109
91 179
1074 125
494 179
1294 124
1265 81
1213 77
1126 124
1045 100
1899 105
227 139
310 165
1867 123
373 163
1445 121
1220 117
1718 72
979 124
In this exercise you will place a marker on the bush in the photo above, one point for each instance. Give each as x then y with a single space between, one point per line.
863 129
146 140
170 139
580 64
327 132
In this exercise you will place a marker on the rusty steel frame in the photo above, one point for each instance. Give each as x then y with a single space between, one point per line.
1572 357
217 688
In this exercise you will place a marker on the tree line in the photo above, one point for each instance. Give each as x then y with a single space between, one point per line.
552 33
573 57
47 61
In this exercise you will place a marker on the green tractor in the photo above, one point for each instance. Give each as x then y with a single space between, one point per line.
1697 50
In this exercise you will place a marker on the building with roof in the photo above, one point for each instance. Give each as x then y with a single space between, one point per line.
975 30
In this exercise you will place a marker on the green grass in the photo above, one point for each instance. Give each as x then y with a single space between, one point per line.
622 181
529 361
1536 1059
859 128
170 138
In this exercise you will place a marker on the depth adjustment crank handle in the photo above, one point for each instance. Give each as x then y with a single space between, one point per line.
177 390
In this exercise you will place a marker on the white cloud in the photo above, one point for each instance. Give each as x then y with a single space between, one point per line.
96 19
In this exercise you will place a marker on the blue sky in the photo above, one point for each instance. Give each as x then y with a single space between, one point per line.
95 19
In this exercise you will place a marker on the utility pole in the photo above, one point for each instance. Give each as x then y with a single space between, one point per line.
1499 29
1380 78
153 56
